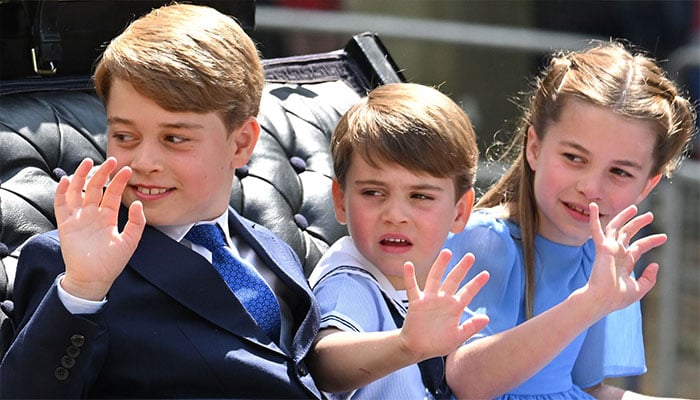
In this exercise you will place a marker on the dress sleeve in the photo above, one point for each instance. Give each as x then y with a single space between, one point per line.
613 347
489 239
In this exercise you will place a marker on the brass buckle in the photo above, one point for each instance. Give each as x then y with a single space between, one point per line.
51 71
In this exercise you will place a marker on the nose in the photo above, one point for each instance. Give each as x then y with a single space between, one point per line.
591 186
394 210
146 158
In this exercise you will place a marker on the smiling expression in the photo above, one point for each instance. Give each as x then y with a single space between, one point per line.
183 163
396 215
589 155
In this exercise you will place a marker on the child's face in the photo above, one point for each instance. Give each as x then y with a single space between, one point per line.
183 162
395 215
590 154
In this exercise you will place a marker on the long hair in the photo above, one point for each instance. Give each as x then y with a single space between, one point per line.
607 75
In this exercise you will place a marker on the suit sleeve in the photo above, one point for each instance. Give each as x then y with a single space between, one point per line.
55 354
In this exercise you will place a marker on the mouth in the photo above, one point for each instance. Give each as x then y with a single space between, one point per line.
581 210
150 191
395 241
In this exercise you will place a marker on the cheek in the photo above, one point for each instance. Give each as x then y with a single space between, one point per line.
619 200
359 220
543 186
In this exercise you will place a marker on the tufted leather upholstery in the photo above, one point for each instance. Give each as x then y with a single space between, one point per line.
47 127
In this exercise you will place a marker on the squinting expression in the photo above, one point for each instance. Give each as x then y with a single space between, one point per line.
590 155
183 163
395 215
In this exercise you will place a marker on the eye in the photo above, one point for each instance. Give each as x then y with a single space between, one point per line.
422 196
371 193
620 172
175 139
572 157
122 137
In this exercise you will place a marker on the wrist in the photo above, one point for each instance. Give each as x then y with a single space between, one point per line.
589 305
408 352
90 292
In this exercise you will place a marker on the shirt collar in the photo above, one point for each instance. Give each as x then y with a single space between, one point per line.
178 232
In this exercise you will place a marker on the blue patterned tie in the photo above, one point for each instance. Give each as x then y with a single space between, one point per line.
247 285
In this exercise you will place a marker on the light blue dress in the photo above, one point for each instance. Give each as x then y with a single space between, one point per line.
352 294
612 347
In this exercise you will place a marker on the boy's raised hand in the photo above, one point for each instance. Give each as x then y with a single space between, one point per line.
611 278
432 326
94 250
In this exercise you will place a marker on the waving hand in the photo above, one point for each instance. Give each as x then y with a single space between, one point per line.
94 250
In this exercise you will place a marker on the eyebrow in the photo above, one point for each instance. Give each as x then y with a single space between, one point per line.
627 163
169 125
413 187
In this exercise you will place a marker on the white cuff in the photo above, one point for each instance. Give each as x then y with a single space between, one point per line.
76 305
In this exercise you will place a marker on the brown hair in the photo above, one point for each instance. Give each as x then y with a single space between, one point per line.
187 58
607 75
412 125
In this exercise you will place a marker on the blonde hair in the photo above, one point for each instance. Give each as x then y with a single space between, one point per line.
606 75
413 126
187 58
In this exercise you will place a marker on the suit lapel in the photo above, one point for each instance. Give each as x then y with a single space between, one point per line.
280 259
192 281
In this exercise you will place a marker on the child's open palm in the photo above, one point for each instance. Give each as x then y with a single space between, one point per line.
612 277
432 326
94 250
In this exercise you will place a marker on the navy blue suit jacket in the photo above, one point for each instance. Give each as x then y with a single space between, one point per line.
171 328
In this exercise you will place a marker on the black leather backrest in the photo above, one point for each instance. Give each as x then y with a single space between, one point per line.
44 125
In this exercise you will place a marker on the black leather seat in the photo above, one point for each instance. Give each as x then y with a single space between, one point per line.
48 126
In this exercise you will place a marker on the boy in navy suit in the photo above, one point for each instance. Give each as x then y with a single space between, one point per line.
120 301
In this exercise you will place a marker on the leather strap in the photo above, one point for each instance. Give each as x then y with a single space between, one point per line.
46 41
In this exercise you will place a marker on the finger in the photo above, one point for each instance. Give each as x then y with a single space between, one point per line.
60 202
455 277
473 325
648 279
409 281
96 183
594 223
437 271
113 192
641 246
133 230
467 292
619 220
630 229
74 191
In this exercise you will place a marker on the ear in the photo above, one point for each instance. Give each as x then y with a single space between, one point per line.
339 202
464 210
244 139
648 187
532 148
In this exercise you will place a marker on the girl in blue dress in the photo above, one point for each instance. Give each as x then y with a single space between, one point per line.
601 128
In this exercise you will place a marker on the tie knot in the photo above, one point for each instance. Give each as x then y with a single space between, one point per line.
207 235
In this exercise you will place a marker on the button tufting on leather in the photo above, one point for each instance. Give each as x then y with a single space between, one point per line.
242 172
58 173
301 221
298 164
